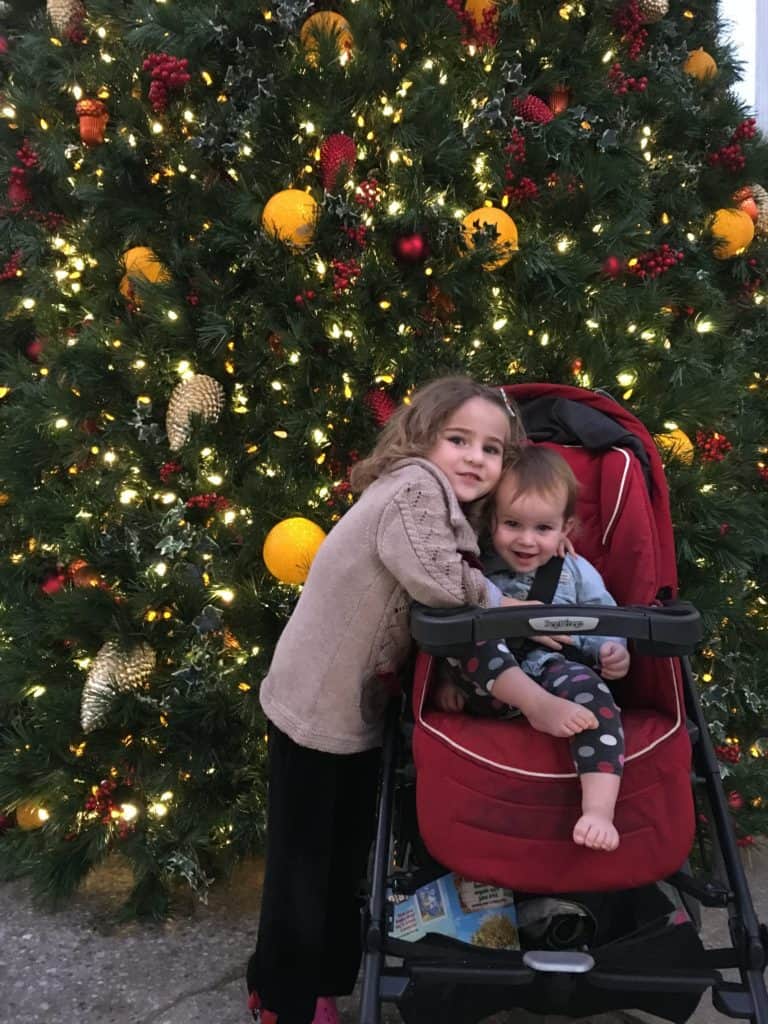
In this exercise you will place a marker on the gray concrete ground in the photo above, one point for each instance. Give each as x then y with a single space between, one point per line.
78 967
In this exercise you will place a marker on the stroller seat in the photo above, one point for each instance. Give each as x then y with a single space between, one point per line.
497 800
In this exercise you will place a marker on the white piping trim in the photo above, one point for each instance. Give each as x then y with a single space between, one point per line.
543 775
622 485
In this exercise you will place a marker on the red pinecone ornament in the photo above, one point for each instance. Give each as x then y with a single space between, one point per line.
531 108
381 404
337 156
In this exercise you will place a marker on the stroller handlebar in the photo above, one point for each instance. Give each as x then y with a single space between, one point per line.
666 630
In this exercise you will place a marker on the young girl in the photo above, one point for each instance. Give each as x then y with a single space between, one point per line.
532 515
326 690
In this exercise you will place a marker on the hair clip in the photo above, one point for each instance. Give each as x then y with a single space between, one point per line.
510 410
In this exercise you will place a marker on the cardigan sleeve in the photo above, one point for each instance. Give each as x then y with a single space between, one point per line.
418 545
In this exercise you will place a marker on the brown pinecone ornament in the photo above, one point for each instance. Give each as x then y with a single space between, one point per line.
197 396
653 10
66 15
337 157
112 671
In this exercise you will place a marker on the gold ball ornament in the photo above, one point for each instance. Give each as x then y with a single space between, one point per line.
676 444
198 395
506 232
113 670
733 231
290 548
327 24
142 263
30 815
291 215
653 10
700 65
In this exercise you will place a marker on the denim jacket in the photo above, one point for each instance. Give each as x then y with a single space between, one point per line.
580 583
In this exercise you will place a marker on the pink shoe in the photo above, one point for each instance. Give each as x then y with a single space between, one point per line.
325 1011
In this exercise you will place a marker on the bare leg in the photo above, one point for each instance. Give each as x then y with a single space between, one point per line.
595 828
544 711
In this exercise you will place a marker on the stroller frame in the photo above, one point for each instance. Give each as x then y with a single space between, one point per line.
564 982
745 1000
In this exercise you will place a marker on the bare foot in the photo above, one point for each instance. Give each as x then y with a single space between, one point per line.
595 831
557 716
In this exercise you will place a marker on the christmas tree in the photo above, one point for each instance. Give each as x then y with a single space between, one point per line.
234 238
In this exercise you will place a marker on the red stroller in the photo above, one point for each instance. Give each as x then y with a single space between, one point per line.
496 801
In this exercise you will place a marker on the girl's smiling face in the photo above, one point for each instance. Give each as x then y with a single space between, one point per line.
470 448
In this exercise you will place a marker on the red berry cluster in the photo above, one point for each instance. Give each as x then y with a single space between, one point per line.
620 84
730 752
731 157
368 193
169 74
735 800
629 20
208 502
516 147
11 266
27 156
754 282
522 190
532 109
358 235
19 193
345 273
169 469
655 262
554 179
381 404
713 446
299 300
472 34
100 801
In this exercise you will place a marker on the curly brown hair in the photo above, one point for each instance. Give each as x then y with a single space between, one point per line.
414 428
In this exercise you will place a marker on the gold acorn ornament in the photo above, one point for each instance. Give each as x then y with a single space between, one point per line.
113 670
290 548
733 232
290 215
653 10
198 395
505 228
66 16
93 120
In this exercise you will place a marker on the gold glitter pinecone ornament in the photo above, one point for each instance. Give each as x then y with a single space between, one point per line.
653 10
65 15
112 671
760 195
197 396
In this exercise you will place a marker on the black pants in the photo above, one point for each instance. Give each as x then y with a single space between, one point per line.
321 821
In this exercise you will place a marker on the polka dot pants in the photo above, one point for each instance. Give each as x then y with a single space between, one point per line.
594 750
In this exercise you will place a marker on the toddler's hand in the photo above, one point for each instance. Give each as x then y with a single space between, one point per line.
513 602
554 641
565 547
614 660
447 697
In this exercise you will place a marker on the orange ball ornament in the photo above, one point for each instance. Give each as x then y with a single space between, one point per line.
290 548
93 120
733 231
700 65
141 262
482 12
30 815
505 228
677 444
325 24
291 215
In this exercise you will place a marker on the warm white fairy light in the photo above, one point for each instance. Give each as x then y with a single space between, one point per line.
225 594
160 568
61 423
128 495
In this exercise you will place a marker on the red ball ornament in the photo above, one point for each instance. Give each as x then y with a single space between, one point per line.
34 349
411 248
613 266
735 800
53 581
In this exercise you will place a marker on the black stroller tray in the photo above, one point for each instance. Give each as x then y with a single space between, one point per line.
667 630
